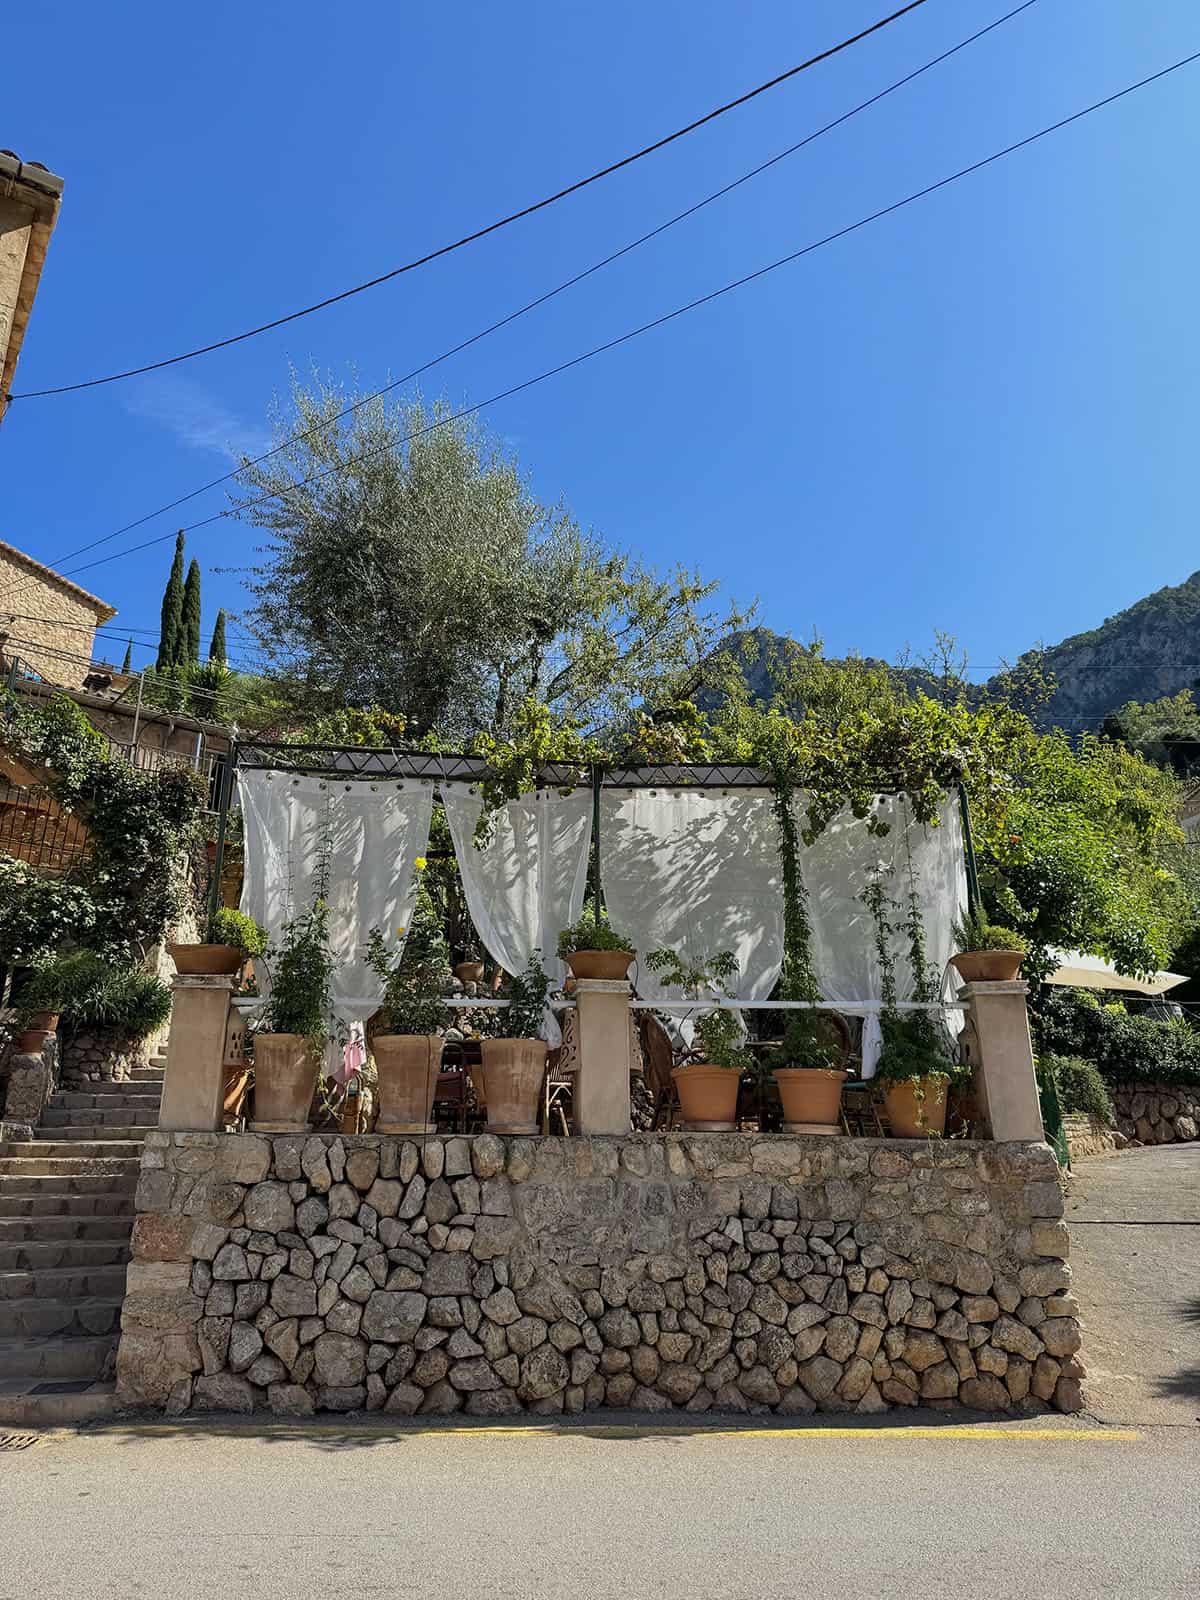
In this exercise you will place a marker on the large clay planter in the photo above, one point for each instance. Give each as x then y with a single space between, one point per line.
917 1109
513 1070
988 966
707 1095
610 964
285 1075
408 1065
811 1095
206 960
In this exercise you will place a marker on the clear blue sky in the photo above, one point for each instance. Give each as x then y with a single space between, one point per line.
978 414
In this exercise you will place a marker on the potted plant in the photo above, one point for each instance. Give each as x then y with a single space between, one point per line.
406 1042
808 1068
41 1005
988 954
515 1065
708 1085
231 938
915 1064
593 949
295 1023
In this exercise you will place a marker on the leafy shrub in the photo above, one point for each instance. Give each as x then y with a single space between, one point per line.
1126 1048
92 992
720 1036
591 933
915 1046
975 932
1080 1086
39 913
526 993
236 928
301 977
413 991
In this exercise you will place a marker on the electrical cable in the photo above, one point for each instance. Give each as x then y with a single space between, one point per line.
679 311
492 227
550 294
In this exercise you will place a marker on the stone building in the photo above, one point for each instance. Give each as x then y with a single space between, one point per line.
29 202
46 620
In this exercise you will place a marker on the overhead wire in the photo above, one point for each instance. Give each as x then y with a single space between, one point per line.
550 294
491 227
679 311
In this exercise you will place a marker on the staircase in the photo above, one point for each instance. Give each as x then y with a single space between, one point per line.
66 1214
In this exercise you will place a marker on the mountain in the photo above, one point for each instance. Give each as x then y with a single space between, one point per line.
1147 651
1150 650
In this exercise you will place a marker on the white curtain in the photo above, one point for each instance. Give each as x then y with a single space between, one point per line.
696 870
840 864
528 883
376 832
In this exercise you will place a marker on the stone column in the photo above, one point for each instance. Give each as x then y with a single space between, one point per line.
194 1088
1006 1074
602 1081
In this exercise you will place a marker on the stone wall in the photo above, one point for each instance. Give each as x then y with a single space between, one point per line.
1089 1135
27 1080
1157 1113
488 1275
100 1054
51 622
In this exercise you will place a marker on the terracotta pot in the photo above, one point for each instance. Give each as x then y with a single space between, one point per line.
811 1094
917 1109
44 1021
610 964
30 1042
513 1070
206 960
285 1074
475 1068
408 1065
469 972
988 966
707 1094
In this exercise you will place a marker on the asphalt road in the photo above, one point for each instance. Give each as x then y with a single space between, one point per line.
1135 1264
581 1512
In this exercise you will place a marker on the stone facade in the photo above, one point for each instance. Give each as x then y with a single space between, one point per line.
731 1272
102 1055
50 622
1157 1113
1089 1135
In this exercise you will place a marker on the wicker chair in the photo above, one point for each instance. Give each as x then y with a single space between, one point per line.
658 1058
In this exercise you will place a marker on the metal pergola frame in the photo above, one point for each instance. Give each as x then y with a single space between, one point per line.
361 762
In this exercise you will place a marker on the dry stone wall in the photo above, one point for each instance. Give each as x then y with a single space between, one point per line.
1157 1113
488 1276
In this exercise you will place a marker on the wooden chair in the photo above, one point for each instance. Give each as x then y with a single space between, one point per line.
658 1058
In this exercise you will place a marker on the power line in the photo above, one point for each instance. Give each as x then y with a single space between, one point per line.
550 294
492 227
670 316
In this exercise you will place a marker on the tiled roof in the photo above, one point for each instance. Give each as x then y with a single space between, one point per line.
101 607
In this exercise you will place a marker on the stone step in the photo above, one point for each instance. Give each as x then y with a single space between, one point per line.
140 1113
25 1167
31 1319
60 1229
16 1186
60 1284
107 1094
90 1133
147 1074
36 1360
54 1405
102 1148
40 1253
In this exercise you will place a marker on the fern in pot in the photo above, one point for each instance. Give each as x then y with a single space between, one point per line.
707 1085
514 1066
231 938
406 1039
987 954
295 1026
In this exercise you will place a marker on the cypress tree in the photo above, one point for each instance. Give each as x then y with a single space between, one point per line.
171 625
216 650
127 664
189 640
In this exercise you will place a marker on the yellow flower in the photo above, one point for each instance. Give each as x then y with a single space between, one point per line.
400 933
420 863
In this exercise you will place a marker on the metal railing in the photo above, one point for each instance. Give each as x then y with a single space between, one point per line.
35 829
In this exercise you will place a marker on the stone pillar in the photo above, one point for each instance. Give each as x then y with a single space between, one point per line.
194 1088
1006 1074
602 1081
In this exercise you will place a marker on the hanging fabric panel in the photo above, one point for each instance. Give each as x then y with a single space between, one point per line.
840 864
696 870
376 832
528 883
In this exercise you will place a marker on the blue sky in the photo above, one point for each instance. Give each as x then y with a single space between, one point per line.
977 415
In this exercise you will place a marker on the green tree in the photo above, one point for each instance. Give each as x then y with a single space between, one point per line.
1165 731
127 664
190 635
171 623
217 650
421 574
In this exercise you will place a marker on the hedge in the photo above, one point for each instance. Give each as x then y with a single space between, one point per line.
1124 1047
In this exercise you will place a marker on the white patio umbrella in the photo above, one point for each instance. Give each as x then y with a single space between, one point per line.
1079 971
